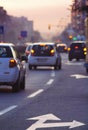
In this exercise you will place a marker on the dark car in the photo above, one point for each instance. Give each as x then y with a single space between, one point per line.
77 50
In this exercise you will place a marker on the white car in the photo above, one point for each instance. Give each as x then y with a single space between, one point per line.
44 54
12 68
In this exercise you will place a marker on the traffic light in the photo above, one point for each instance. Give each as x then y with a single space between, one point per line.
70 37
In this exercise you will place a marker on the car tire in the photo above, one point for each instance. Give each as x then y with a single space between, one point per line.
35 67
55 67
87 70
60 66
23 83
77 59
30 67
16 86
70 59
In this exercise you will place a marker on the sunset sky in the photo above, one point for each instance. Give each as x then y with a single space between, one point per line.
42 12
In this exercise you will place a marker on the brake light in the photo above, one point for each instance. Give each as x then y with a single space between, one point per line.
12 63
76 47
52 52
32 52
65 48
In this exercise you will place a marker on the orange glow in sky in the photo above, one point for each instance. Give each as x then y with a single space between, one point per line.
42 12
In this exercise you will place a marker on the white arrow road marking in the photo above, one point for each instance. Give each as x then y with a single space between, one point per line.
79 76
41 119
7 109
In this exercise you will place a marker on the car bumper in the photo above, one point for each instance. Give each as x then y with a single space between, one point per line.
42 61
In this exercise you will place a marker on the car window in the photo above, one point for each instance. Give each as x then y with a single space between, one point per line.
5 51
42 50
80 45
16 53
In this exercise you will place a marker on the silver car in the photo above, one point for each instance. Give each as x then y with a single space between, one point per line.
12 68
44 54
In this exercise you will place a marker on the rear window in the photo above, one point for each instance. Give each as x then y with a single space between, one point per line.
40 50
80 45
5 51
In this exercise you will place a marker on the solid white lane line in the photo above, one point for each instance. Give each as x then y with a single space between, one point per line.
35 93
50 82
7 109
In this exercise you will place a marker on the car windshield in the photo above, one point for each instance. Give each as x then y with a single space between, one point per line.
5 51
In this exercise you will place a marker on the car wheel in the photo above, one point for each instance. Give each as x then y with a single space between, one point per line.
30 67
60 66
23 83
35 67
16 86
70 59
55 67
77 59
87 70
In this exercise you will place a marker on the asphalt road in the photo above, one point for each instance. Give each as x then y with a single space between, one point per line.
52 100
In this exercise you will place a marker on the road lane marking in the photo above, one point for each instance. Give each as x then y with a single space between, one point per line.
50 82
35 93
74 63
53 74
41 123
79 76
7 109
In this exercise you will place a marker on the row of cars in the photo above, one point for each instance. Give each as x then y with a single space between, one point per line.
76 50
12 64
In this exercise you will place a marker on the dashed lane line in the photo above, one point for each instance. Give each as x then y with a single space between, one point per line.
35 93
50 82
7 109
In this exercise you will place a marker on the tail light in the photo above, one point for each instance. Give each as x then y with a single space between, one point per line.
65 48
76 47
12 63
32 52
52 52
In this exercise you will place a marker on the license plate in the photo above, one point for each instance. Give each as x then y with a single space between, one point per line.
41 60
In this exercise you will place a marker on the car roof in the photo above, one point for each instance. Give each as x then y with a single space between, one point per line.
46 43
78 42
7 44
62 44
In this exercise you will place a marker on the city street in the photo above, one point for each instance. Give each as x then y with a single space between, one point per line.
52 100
